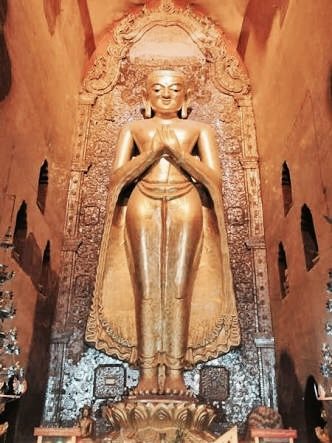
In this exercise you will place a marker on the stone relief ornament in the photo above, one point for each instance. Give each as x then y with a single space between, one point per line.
109 381
214 383
229 75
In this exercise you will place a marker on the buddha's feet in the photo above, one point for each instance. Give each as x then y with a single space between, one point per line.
147 385
174 384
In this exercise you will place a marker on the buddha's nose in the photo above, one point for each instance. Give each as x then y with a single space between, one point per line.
166 93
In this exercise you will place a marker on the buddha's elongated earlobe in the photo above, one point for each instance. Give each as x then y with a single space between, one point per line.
184 110
147 109
184 107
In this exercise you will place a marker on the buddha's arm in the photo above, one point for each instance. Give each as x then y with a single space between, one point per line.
127 168
207 169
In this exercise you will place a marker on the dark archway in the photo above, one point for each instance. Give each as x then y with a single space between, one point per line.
310 245
42 186
286 185
283 271
20 231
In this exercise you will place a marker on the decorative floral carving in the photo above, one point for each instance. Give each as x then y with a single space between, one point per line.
214 383
229 76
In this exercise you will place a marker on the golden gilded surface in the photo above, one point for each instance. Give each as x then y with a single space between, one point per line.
164 254
86 425
158 421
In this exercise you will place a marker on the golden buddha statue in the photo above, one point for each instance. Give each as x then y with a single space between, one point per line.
322 432
173 232
86 425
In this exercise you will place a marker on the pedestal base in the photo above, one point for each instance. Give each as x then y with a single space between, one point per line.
160 419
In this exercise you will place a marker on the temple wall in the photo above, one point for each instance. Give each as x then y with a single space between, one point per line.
45 48
288 54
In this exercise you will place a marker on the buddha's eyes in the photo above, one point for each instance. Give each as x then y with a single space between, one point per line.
172 88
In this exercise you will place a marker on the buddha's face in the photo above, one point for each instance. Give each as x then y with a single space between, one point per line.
86 412
166 91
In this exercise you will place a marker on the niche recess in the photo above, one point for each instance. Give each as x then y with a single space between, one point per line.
20 232
42 186
283 271
310 245
286 185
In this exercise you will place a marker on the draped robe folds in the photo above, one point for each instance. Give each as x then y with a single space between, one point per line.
213 323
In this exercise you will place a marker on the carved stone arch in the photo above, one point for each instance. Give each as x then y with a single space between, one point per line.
228 71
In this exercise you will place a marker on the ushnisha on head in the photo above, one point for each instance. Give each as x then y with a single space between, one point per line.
165 74
166 94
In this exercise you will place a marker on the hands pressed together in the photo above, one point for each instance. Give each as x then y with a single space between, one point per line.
166 142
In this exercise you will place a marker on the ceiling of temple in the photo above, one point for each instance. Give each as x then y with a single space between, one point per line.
228 14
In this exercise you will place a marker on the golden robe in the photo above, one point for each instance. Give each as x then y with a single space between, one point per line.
213 324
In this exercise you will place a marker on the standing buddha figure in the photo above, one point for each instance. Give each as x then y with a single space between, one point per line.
168 160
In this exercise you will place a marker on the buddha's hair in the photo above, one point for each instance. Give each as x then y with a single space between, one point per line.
158 72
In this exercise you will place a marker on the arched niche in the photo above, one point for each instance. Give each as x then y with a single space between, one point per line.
229 72
110 97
